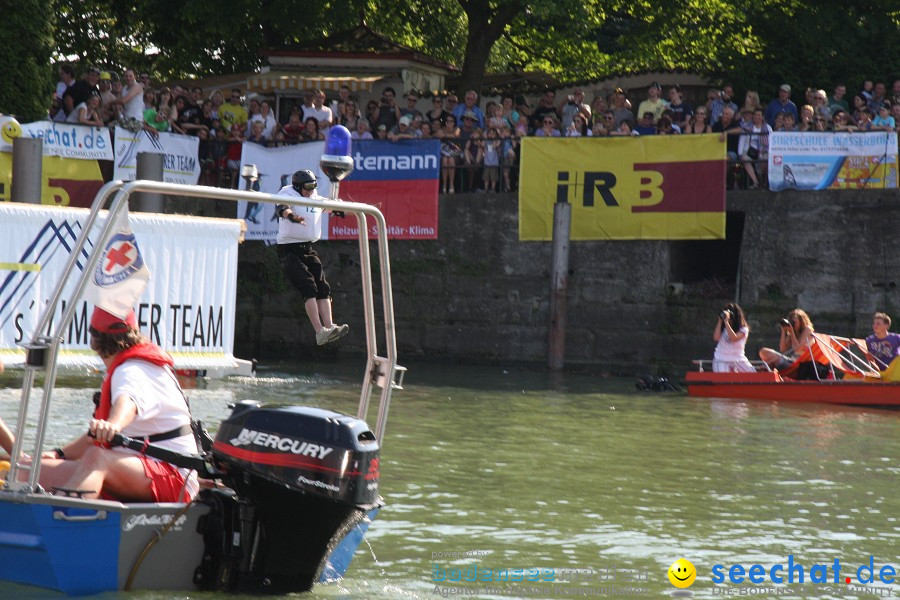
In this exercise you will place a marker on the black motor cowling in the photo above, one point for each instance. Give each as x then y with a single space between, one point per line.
309 475
309 450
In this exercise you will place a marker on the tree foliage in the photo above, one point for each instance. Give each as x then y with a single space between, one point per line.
26 41
755 45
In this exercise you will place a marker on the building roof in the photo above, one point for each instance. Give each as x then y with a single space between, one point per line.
515 82
359 42
642 78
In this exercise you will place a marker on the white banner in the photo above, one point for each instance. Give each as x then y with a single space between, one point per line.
180 164
188 307
806 160
67 140
276 165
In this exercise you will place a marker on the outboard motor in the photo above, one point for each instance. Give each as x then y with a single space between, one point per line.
302 477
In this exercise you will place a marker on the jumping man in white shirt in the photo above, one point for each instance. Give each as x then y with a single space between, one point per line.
298 228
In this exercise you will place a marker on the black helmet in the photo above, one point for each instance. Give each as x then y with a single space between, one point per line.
304 180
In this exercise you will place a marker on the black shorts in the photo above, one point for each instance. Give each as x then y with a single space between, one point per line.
303 269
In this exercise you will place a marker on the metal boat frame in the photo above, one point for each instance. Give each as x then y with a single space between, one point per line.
42 352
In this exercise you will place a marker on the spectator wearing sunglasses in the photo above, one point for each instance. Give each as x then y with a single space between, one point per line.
548 127
437 112
232 112
410 110
605 124
372 113
840 122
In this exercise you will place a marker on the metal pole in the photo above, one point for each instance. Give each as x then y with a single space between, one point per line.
26 170
559 274
150 168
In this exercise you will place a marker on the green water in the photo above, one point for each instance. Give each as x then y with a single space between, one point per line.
535 471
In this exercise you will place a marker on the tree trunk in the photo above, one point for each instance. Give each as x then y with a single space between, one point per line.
478 49
485 28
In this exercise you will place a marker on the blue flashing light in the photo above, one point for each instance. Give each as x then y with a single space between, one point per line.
338 142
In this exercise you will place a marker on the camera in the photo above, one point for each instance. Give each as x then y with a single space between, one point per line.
723 315
784 323
571 99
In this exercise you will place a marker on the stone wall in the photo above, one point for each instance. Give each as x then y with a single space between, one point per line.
478 294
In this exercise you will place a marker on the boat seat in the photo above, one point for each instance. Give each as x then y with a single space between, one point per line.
821 350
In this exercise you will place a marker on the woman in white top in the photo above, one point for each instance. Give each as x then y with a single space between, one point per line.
753 147
132 97
731 333
87 113
268 119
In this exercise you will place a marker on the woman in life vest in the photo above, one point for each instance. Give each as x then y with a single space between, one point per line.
140 398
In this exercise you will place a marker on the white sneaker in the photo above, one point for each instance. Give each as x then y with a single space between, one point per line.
339 331
325 335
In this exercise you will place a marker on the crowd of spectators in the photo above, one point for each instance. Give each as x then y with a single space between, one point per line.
479 143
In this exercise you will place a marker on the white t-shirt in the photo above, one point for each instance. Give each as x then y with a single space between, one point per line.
74 115
161 407
134 108
729 355
310 230
268 124
321 114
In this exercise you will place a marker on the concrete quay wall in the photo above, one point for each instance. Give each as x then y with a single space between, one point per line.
478 294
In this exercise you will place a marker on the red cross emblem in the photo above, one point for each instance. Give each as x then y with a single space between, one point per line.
119 256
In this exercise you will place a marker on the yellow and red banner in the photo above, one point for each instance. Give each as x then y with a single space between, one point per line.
66 181
624 188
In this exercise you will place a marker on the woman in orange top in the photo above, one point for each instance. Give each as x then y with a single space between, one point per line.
796 334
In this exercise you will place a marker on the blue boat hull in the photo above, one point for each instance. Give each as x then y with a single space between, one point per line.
84 547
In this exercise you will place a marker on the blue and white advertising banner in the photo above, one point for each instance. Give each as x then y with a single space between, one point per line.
180 164
401 178
188 307
276 166
805 160
65 140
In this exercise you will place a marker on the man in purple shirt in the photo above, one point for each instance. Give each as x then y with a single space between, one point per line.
882 344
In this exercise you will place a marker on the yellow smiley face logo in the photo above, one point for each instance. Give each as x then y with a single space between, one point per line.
10 130
682 573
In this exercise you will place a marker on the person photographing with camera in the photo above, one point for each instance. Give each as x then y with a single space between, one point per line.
796 334
731 334
572 106
388 113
